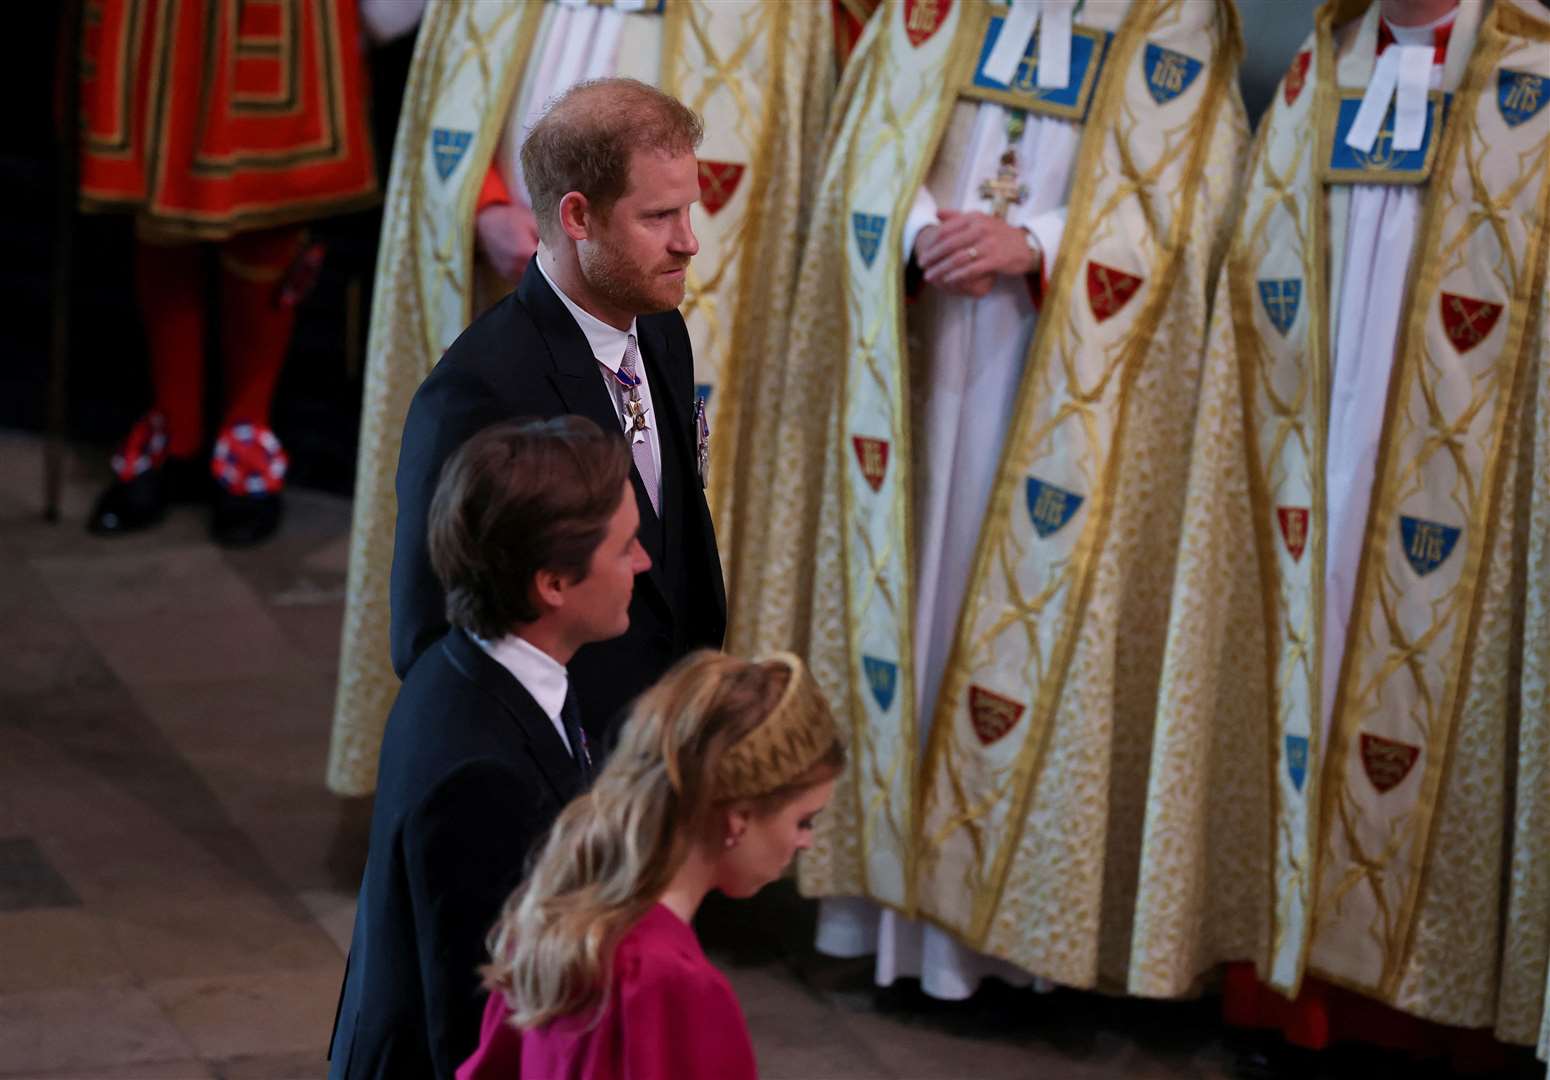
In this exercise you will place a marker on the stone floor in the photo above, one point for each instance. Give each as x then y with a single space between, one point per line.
176 886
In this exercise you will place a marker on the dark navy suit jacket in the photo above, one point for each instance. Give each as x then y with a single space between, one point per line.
527 357
472 775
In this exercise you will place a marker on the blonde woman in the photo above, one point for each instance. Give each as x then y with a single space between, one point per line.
718 775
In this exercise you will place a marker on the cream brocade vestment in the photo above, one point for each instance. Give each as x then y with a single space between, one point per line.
1019 827
1409 859
761 75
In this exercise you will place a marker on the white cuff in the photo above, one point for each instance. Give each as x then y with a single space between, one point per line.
1047 228
387 20
922 213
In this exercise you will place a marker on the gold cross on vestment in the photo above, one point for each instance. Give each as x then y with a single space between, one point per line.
1280 302
1004 191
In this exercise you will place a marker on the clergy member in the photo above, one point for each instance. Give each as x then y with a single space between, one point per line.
458 230
1349 774
974 551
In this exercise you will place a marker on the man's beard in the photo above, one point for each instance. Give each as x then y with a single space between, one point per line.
624 285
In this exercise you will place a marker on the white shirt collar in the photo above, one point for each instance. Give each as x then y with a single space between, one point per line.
1421 35
540 674
607 341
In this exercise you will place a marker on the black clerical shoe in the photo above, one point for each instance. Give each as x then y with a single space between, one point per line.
241 520
1263 1056
131 505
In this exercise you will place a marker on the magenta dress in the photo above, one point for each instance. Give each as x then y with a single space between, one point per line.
670 1016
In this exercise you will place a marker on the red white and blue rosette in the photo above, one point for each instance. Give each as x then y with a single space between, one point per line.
249 460
143 449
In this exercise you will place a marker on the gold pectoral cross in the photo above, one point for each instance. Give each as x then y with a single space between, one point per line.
1004 191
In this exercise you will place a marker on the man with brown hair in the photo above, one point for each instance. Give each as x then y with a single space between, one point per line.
532 536
459 231
592 329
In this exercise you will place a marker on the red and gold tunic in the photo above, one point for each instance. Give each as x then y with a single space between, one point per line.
222 116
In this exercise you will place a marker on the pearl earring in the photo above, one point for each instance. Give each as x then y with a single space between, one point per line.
731 841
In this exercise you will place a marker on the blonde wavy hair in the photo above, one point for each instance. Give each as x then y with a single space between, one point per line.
613 851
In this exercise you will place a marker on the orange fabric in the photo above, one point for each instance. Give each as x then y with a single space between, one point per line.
493 192
256 327
169 284
210 119
1323 1015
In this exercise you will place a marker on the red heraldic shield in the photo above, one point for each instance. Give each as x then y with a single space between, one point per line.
922 18
1296 76
1467 321
718 182
1387 762
1108 289
1294 529
991 714
872 456
212 119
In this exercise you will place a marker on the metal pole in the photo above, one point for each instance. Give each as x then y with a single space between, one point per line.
66 169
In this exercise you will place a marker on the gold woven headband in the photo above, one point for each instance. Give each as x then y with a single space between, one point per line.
798 732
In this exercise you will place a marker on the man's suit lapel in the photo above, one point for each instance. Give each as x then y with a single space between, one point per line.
671 426
574 373
533 724
580 386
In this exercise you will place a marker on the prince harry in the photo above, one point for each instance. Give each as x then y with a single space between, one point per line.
592 329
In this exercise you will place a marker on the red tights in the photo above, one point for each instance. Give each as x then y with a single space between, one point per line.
255 329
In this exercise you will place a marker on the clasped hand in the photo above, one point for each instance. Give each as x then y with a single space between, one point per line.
966 251
507 233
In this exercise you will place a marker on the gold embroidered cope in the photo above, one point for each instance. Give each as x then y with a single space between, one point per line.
1400 860
962 835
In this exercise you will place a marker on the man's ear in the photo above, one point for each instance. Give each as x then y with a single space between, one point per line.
576 216
549 589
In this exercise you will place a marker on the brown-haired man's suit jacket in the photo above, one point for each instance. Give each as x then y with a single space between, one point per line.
463 787
527 357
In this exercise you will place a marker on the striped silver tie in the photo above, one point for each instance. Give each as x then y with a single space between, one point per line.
635 421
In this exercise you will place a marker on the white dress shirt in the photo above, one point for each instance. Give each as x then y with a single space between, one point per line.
540 674
608 344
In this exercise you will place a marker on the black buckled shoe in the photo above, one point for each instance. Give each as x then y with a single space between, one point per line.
241 520
129 506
